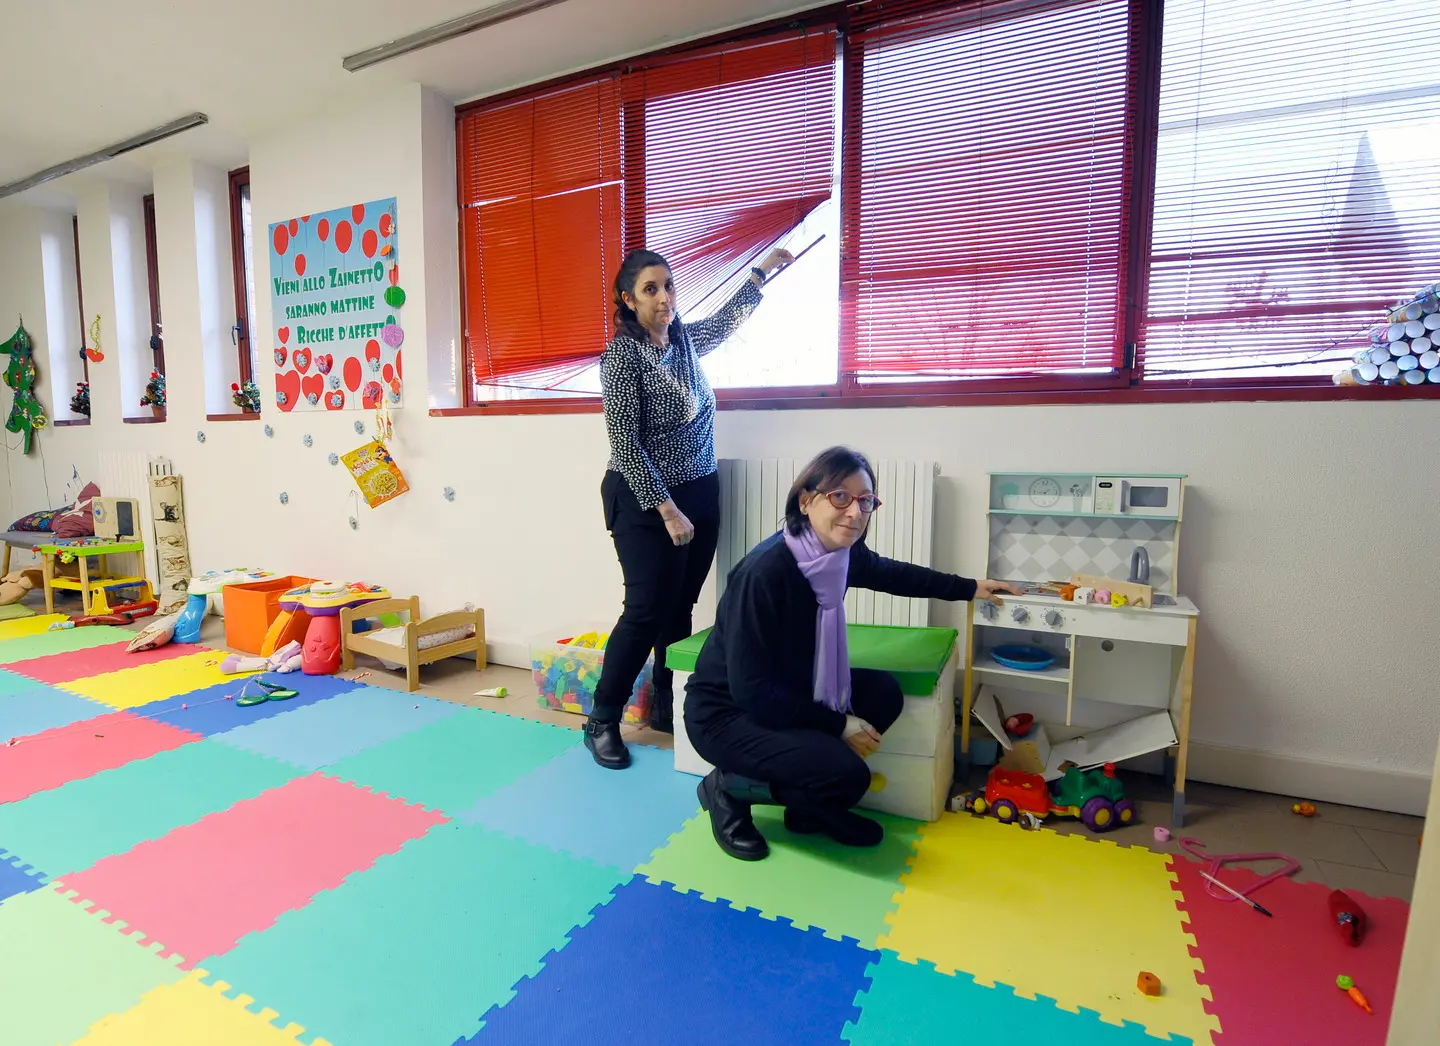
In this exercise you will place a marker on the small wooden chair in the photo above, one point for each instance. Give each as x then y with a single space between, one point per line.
409 652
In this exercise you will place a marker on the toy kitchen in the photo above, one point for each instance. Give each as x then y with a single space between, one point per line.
1100 650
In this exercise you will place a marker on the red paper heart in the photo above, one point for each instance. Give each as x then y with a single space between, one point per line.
335 400
94 355
324 363
280 354
394 275
284 333
371 396
353 373
312 385
302 360
287 384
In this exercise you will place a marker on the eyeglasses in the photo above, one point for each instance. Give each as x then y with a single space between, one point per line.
842 499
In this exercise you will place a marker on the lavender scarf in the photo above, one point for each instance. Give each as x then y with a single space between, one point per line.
827 572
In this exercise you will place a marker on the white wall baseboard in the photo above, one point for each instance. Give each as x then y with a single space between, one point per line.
1370 787
515 655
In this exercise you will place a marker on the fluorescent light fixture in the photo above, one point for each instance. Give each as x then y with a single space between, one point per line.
492 15
108 153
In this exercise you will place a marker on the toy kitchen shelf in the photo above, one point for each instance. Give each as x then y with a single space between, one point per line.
1120 682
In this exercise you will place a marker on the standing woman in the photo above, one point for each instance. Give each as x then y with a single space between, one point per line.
661 493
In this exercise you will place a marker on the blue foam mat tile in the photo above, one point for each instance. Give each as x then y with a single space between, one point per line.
324 732
206 712
37 708
910 1003
571 805
18 877
708 975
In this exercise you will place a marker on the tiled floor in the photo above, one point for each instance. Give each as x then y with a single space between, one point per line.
1343 846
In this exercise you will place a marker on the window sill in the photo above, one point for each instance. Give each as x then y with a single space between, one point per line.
63 423
152 420
836 397
232 417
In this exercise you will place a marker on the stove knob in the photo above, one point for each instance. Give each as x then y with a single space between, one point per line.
1020 614
988 611
1052 618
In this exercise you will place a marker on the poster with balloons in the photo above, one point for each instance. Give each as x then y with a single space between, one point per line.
335 299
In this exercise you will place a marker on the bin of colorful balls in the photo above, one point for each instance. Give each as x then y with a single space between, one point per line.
566 671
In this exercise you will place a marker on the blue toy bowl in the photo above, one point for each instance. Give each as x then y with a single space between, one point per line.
1023 658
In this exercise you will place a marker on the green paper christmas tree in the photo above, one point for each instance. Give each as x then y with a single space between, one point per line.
26 414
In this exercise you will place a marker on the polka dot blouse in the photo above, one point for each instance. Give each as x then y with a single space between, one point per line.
659 407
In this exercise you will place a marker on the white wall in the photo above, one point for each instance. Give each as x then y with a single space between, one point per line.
1304 540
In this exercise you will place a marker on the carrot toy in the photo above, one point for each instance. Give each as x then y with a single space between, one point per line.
1346 985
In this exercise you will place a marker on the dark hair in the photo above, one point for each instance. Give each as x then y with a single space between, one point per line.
826 471
626 322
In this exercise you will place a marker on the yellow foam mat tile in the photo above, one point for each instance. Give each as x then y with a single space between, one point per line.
130 687
29 626
1065 916
189 1012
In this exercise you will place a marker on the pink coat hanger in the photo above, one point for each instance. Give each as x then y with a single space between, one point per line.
1196 848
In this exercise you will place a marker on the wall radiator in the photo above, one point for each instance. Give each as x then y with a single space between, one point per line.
752 504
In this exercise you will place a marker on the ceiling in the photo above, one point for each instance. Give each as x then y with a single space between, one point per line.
93 72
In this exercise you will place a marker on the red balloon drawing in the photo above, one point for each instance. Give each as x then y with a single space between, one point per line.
369 243
385 224
353 373
343 236
282 239
323 228
299 265
304 217
357 213
372 351
294 226
388 373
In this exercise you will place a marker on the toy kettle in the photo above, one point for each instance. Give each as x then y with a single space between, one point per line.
1140 566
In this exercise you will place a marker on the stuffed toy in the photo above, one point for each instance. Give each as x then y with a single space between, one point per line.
15 585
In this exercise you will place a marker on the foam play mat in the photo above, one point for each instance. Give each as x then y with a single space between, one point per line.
357 866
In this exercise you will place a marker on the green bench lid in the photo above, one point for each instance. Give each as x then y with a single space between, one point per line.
914 656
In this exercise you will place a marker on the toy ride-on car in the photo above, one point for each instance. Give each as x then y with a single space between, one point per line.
1096 797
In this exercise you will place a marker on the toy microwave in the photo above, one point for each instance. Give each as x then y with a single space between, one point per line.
116 519
1138 495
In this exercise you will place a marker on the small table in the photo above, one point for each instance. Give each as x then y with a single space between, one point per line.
912 770
82 549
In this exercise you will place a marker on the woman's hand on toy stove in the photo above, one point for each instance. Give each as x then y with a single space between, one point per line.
987 589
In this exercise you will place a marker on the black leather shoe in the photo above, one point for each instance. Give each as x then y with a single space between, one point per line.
846 827
730 820
603 740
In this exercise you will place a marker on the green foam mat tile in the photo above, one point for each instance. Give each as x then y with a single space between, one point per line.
71 827
450 764
417 947
43 644
808 879
62 969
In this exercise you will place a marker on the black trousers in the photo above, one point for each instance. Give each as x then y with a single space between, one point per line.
805 769
662 583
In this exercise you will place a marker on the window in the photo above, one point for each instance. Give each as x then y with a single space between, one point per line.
710 158
1088 198
243 244
1297 184
987 194
152 274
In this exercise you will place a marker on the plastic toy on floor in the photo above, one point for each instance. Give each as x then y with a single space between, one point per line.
323 601
1096 797
287 659
200 589
268 692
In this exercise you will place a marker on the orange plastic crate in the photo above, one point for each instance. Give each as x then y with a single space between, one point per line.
251 608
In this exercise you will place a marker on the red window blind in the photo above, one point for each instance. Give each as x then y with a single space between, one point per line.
738 148
540 206
987 181
1297 184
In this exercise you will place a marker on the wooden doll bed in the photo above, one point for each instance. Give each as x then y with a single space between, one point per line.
406 649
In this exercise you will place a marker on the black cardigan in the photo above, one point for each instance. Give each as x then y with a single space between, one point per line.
760 658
